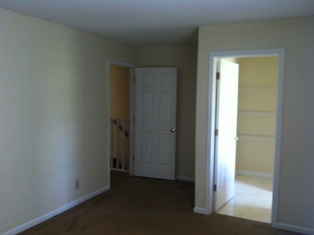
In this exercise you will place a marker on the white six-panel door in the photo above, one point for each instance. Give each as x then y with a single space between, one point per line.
155 122
226 124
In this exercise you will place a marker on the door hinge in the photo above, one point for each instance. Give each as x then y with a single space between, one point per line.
133 158
216 132
217 75
215 187
134 79
133 119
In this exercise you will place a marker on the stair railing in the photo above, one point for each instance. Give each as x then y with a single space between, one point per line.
119 159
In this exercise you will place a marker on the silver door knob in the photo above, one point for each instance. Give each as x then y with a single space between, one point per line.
172 130
236 138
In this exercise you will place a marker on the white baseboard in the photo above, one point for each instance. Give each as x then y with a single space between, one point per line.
294 228
53 213
255 174
183 178
199 210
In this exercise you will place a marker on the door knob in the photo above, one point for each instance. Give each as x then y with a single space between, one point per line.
172 130
236 138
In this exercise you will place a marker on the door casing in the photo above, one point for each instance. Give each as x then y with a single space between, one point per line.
210 138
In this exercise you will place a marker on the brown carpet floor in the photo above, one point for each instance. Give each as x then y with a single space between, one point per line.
146 206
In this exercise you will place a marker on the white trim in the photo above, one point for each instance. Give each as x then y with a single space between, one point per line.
294 228
209 174
210 150
281 69
183 178
255 174
248 53
53 213
199 210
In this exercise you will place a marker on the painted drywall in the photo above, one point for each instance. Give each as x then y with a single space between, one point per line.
184 58
53 101
258 85
296 36
119 92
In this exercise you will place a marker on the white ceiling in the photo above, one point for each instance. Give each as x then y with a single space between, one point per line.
156 22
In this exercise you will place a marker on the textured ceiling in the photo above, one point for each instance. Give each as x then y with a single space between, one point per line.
156 22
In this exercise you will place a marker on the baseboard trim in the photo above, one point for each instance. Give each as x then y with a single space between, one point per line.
199 210
183 178
294 228
255 174
53 213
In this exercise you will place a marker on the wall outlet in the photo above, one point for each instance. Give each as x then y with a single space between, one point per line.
77 184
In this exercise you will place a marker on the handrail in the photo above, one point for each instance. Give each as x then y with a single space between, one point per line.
119 157
121 128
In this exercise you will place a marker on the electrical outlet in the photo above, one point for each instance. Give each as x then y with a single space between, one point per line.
77 184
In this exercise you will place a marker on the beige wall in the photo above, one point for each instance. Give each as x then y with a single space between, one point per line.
184 58
53 104
119 92
258 84
53 101
295 207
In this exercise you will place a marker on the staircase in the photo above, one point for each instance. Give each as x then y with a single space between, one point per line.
119 158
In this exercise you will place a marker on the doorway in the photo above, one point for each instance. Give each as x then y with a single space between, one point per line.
256 125
119 131
214 56
119 117
149 149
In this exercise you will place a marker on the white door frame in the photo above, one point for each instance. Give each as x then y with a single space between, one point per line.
107 115
210 138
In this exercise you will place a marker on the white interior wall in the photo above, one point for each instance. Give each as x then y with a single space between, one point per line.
53 103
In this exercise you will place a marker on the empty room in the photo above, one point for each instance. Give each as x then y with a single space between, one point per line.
88 149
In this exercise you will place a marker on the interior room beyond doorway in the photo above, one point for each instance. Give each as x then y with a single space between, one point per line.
256 132
119 117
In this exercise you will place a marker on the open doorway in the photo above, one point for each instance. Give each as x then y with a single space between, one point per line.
256 134
119 117
211 129
141 152
120 113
